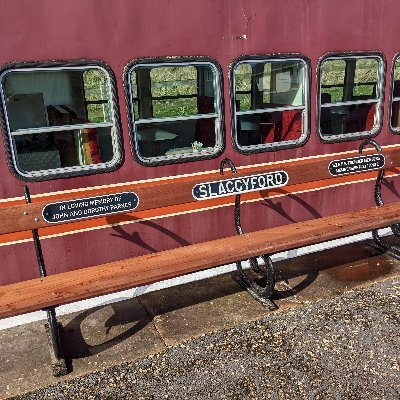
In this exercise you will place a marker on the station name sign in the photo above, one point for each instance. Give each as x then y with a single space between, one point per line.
233 186
72 210
355 165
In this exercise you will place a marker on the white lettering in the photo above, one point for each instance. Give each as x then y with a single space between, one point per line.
261 181
279 179
237 187
246 182
203 191
253 181
270 180
232 189
212 194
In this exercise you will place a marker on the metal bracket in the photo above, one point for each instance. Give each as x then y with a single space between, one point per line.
261 288
379 243
52 326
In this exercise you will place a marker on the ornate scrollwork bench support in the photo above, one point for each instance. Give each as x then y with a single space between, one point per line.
379 243
264 272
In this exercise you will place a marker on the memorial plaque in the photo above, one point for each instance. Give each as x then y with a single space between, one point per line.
72 210
355 165
233 186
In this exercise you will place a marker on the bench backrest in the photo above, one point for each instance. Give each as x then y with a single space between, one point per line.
29 216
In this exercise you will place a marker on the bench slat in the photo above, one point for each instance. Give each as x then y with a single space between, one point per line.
107 278
22 217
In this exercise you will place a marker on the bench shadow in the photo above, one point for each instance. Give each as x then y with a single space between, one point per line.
135 238
127 321
390 185
278 208
346 266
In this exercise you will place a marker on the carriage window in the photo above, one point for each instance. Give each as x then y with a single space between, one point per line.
270 104
395 111
350 97
61 121
176 111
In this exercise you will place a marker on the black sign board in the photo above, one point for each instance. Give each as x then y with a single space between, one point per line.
229 187
355 165
72 210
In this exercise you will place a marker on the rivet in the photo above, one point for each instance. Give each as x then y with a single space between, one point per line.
26 213
36 219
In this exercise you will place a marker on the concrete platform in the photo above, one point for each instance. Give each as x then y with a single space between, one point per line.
139 327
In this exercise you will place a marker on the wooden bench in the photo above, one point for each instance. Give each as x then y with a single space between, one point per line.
48 292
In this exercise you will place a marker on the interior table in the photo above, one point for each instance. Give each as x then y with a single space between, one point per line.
156 136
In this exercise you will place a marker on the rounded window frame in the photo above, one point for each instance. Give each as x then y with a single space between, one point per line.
392 130
219 93
348 137
274 146
63 172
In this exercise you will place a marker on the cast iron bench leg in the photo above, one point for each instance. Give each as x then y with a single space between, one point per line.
52 326
261 288
56 351
379 243
265 273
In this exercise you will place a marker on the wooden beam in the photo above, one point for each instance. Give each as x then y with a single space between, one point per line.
26 217
111 277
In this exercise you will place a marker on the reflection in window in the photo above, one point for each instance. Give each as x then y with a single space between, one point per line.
176 110
395 112
350 96
59 119
270 103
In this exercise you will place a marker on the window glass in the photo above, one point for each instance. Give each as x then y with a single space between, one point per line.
59 119
176 110
270 103
243 86
332 81
95 85
366 78
173 91
350 97
395 112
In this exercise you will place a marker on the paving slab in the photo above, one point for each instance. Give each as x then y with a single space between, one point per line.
190 310
334 271
92 340
24 359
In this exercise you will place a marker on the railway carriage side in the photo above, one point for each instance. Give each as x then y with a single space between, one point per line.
144 105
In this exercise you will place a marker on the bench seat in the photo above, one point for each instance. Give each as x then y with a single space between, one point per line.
102 279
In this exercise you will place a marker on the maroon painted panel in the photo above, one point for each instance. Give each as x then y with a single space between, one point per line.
117 32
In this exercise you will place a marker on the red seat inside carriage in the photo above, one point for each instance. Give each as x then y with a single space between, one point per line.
396 105
358 117
280 126
325 115
361 116
205 128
